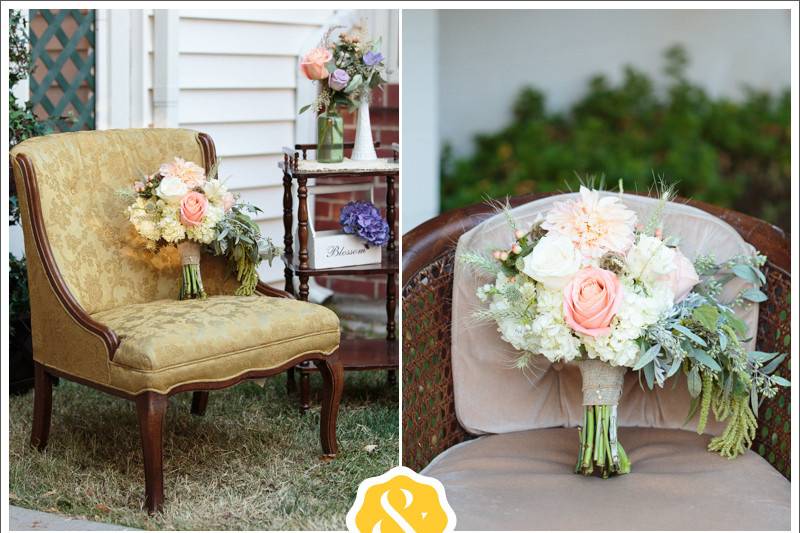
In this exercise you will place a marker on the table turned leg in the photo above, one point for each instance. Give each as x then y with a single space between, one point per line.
391 325
391 212
287 230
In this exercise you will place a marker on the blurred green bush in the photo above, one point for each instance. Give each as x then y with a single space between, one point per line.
730 153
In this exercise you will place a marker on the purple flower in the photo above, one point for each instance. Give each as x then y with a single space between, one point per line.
364 219
338 79
372 58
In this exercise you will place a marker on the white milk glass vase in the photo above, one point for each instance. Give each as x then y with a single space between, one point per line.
364 148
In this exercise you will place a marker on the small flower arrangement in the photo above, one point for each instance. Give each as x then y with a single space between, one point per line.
347 70
589 285
181 205
364 219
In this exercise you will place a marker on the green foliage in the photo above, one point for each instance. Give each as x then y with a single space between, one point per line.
732 154
18 298
22 123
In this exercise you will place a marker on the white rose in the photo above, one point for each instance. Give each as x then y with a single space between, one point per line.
650 260
553 262
171 190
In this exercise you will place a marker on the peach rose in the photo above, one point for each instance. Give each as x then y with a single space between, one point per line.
313 63
591 300
193 208
683 277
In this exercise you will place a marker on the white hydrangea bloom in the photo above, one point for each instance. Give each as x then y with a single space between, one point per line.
171 228
144 221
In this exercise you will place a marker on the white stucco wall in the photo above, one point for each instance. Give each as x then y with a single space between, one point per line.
483 58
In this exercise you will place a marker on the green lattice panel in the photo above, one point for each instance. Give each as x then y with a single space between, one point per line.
69 69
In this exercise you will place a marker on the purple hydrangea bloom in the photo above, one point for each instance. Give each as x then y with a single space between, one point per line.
372 58
364 219
338 79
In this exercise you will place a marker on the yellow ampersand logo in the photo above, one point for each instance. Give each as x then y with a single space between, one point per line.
401 501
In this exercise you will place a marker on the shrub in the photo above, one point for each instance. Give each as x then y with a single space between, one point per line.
732 154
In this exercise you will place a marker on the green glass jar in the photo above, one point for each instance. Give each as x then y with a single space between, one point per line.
330 137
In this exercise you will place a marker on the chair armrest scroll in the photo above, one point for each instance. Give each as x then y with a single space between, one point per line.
266 290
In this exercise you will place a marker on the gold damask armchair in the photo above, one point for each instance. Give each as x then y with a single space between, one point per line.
105 311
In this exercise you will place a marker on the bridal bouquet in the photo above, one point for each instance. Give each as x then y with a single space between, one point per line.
589 285
181 205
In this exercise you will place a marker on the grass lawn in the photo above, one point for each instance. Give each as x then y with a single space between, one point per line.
252 462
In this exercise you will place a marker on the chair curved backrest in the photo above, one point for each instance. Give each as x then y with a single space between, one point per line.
70 190
429 417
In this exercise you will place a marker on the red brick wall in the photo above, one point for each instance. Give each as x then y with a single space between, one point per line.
384 117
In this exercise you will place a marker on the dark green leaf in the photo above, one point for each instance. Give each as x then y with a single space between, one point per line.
707 315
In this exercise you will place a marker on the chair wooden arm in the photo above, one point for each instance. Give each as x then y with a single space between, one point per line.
266 290
430 425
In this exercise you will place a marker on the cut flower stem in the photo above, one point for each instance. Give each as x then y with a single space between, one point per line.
599 448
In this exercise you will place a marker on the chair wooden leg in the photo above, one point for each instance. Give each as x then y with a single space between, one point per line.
199 402
151 408
332 384
305 391
291 385
42 406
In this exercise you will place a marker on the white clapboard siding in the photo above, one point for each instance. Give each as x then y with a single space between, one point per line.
238 37
250 171
315 17
237 81
205 71
247 138
241 105
265 196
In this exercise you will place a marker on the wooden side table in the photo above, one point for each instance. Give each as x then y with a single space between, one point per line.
355 353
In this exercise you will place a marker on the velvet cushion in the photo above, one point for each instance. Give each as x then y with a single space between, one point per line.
525 481
493 397
171 341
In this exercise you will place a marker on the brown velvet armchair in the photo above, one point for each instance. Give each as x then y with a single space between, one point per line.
105 312
430 424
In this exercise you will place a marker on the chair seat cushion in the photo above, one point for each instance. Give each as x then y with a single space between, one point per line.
525 481
170 342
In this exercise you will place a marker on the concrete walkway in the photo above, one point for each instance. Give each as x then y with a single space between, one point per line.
20 519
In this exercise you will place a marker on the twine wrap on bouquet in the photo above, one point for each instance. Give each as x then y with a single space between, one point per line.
602 390
192 282
602 383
